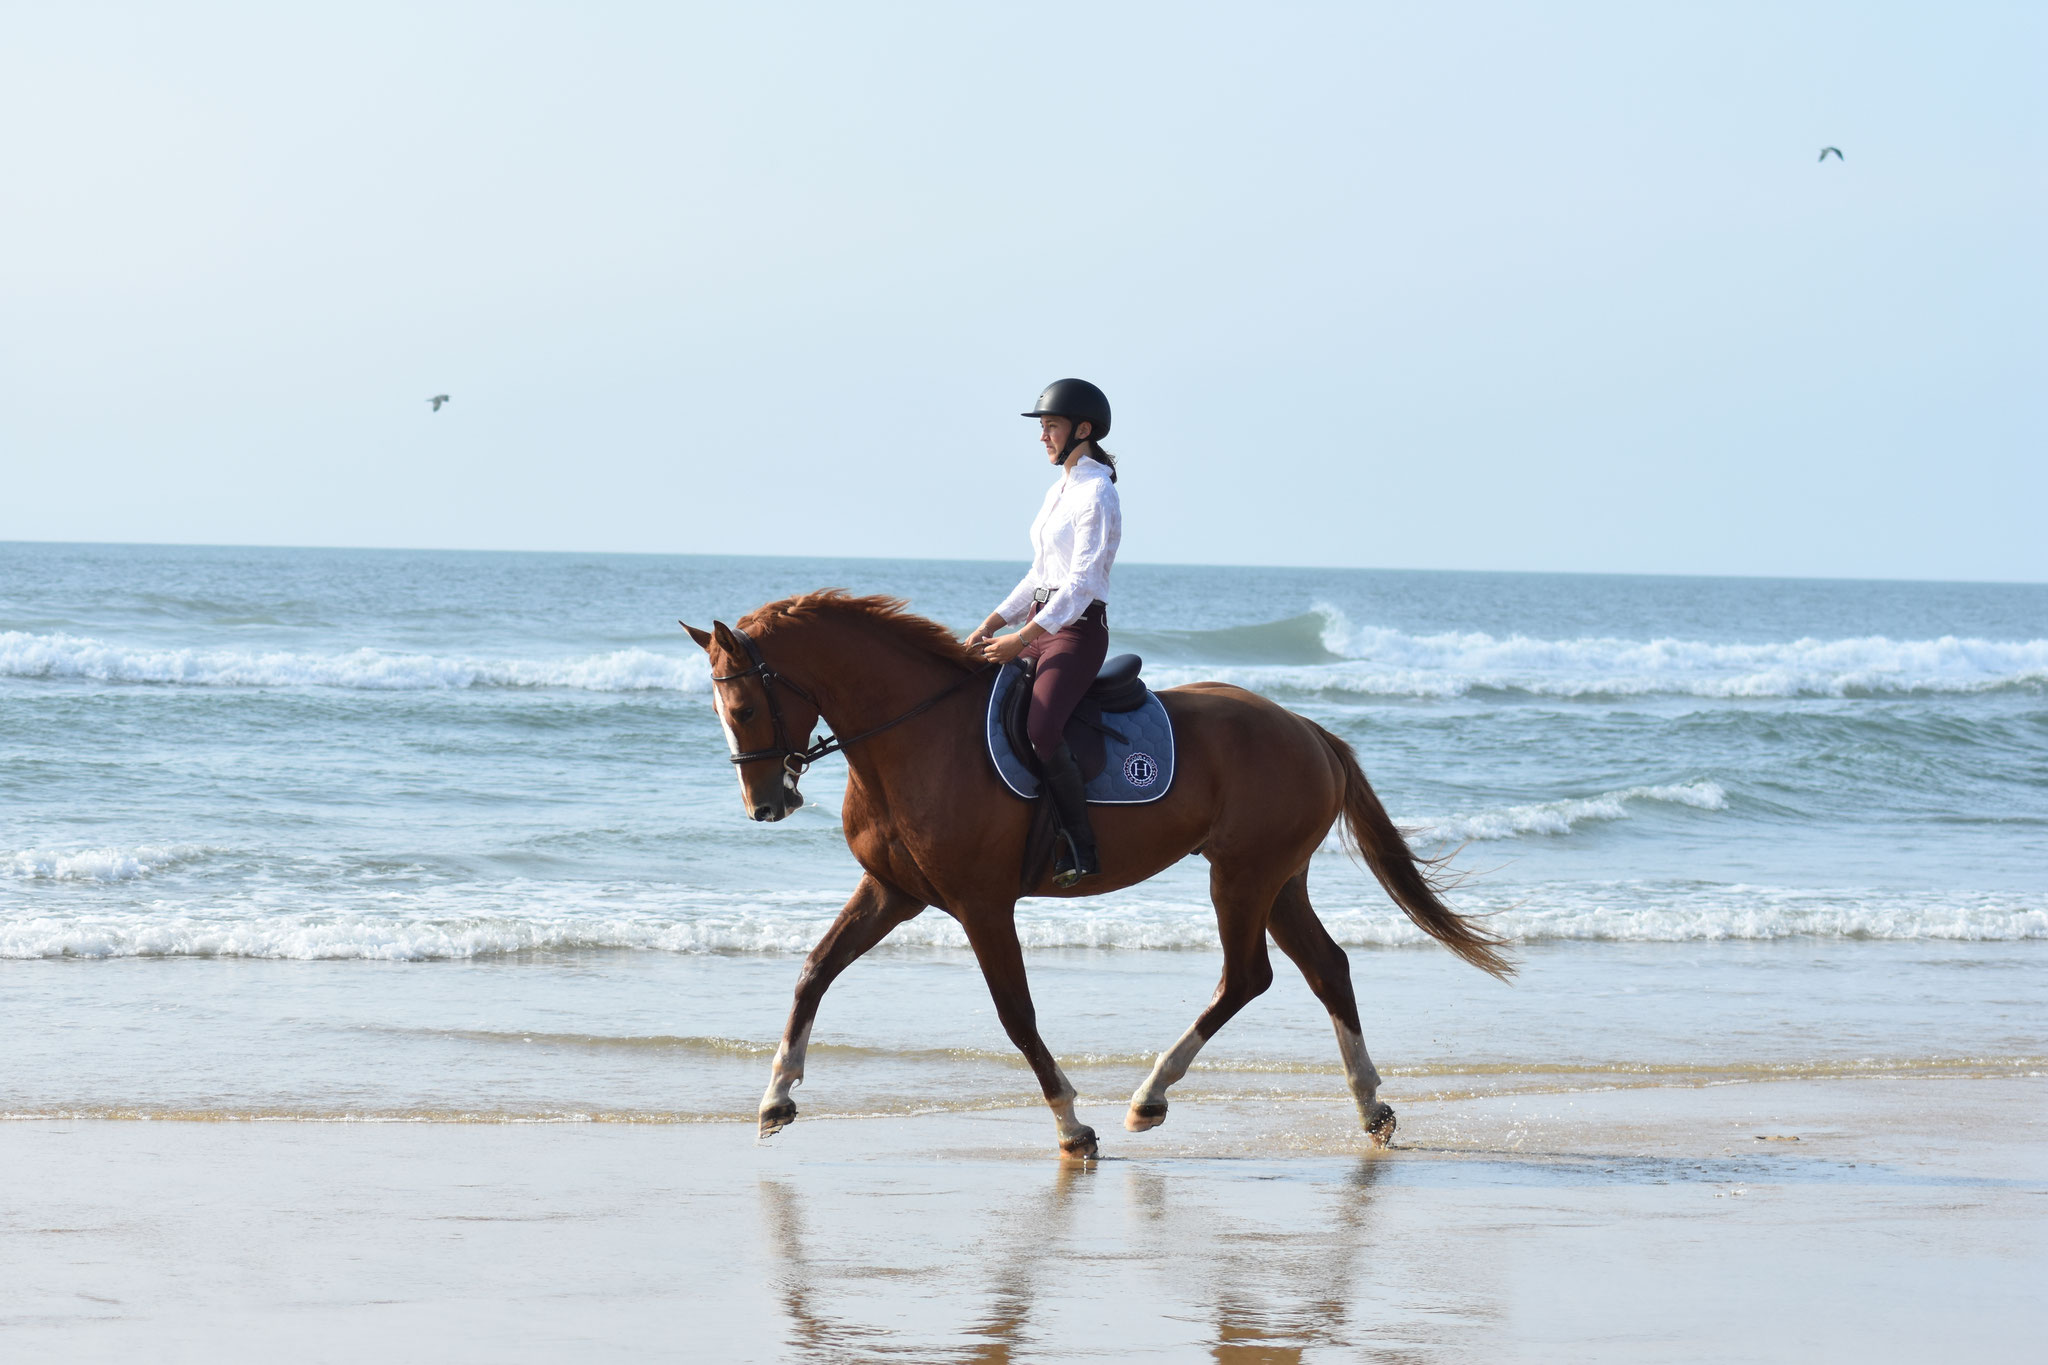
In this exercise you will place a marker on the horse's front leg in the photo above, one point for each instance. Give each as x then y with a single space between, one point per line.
874 910
993 934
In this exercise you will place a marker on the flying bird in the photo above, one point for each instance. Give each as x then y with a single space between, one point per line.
438 399
1825 150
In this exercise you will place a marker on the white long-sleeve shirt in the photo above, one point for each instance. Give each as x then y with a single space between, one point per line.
1073 542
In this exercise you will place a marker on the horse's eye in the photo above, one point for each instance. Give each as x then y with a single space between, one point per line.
746 714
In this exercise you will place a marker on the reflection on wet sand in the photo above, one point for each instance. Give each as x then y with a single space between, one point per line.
1251 1263
1253 1326
812 1332
1027 1241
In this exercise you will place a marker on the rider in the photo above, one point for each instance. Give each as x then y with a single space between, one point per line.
1061 602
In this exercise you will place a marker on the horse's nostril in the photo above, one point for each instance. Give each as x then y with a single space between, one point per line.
763 811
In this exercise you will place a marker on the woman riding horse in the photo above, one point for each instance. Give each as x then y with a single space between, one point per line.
1256 789
1061 603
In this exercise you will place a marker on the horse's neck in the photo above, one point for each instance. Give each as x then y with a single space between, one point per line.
861 681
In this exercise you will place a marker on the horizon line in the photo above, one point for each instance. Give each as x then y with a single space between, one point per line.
940 559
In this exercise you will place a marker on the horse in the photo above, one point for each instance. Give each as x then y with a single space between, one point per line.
1255 791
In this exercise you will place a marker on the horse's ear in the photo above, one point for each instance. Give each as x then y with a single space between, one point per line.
727 641
702 637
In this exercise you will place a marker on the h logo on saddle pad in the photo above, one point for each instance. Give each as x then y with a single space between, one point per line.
1120 734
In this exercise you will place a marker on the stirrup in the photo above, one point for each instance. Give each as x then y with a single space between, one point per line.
1068 867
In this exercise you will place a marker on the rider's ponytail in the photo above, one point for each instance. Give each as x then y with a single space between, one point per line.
1096 452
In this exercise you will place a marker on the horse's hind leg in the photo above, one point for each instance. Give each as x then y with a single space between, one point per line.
993 935
1241 902
1302 937
874 910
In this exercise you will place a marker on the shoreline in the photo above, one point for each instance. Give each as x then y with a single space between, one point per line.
1779 1219
1511 1080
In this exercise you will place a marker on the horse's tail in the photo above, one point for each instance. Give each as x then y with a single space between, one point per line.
1416 884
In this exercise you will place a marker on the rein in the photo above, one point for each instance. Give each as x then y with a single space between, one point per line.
796 761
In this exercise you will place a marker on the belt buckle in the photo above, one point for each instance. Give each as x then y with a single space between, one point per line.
1041 595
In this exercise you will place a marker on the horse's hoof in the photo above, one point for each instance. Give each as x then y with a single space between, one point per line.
1380 1127
1145 1116
1080 1146
776 1117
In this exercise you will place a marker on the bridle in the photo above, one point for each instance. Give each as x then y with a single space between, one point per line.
795 761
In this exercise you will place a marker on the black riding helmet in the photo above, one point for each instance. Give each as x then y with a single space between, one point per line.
1078 401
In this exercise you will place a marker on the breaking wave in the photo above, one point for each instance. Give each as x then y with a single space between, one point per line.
96 864
69 657
1325 652
681 921
1558 817
1317 652
1303 639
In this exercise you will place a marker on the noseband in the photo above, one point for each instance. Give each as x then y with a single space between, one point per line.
796 761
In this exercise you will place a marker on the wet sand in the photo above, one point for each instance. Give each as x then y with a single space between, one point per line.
1909 1220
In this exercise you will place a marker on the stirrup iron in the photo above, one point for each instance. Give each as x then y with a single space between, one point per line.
1067 865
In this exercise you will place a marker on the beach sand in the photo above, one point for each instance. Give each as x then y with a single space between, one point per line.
1906 1222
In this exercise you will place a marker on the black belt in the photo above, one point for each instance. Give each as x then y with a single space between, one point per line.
1097 608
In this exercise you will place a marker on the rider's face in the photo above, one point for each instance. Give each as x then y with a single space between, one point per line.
1052 434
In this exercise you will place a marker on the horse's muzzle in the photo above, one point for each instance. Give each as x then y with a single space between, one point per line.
790 799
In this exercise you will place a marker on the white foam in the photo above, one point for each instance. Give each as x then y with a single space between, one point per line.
68 657
96 864
467 923
1377 661
1559 817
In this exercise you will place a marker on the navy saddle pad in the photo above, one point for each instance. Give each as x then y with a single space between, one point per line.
1120 735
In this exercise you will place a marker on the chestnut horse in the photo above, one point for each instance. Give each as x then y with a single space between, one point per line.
1255 791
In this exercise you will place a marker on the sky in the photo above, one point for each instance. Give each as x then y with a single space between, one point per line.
1558 288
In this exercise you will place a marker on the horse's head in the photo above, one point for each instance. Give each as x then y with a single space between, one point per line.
767 720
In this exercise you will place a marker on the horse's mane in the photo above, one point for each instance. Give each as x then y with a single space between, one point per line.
892 615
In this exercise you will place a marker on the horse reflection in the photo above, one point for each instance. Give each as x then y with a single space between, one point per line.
812 1332
1267 1293
1276 1296
1039 1237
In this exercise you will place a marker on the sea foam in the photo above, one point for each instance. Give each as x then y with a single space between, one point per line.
680 920
68 657
96 864
1319 653
1382 662
1559 817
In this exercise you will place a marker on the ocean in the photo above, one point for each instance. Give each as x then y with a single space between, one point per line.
350 834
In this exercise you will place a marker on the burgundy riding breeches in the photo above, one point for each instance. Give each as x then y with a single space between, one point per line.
1068 661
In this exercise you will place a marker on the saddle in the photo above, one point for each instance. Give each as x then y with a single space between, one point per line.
1117 688
1119 733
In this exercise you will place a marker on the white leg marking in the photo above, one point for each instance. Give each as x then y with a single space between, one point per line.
1171 1066
788 1069
1062 1104
1359 1072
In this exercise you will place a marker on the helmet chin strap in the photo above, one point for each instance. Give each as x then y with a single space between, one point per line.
1067 450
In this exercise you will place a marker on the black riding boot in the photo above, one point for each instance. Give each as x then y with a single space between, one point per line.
1069 796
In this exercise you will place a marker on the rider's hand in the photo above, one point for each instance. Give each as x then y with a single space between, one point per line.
982 632
1003 648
